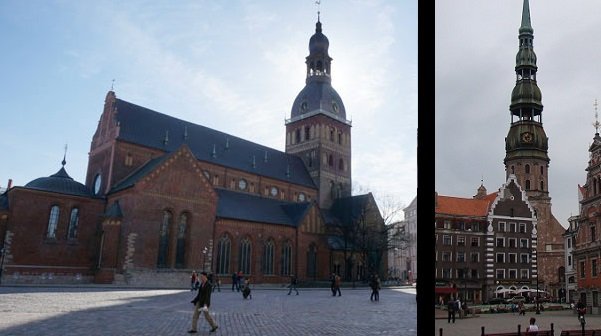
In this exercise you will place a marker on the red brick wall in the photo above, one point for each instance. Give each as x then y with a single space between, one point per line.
28 223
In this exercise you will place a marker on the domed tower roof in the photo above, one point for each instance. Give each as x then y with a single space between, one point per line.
318 95
60 183
319 42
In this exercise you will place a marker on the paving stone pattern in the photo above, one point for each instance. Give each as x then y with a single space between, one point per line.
108 311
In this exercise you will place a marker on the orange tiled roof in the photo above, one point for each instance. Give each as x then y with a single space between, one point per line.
464 206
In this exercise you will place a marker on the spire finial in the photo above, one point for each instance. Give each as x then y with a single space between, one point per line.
64 162
318 3
526 25
596 123
113 85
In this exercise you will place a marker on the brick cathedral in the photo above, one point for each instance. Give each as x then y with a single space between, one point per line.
164 196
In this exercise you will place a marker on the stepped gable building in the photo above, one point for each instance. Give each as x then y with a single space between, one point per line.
164 196
584 231
526 157
486 245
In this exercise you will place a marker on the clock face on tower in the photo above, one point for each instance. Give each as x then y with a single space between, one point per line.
242 184
527 137
274 191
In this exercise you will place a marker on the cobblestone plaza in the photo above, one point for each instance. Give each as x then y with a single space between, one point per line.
109 311
508 322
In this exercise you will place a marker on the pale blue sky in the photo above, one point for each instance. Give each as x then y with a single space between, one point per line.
236 68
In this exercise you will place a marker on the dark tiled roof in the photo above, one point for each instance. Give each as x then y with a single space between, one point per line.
114 211
348 209
242 206
149 128
4 201
60 183
138 174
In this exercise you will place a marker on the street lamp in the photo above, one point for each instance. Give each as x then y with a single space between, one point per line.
204 255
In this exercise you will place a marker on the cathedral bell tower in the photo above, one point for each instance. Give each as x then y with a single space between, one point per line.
318 131
526 157
526 143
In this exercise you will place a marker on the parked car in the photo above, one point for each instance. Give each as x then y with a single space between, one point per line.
517 299
497 300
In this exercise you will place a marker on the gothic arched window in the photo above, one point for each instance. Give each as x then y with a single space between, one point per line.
73 224
223 255
53 221
330 160
340 164
527 184
244 256
164 239
286 258
542 185
312 261
527 169
180 254
267 261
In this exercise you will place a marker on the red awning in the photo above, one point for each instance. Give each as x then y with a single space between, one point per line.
445 290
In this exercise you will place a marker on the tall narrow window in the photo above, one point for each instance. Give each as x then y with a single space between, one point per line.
53 221
268 258
340 164
307 133
164 239
527 184
312 261
330 160
542 185
286 258
73 223
223 255
527 169
244 256
180 254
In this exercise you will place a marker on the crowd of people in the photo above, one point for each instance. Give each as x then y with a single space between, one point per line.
206 284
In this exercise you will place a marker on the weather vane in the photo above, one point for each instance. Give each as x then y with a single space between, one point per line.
596 123
318 3
65 156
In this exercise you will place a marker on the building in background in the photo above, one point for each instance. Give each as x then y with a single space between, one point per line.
164 196
486 245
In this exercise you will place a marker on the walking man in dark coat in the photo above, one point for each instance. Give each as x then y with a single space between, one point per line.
293 284
202 302
452 308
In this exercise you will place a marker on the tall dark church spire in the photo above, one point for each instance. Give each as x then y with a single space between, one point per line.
526 143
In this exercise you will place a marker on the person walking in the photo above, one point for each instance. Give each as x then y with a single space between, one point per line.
451 308
532 327
292 284
202 302
216 283
522 309
337 285
234 281
193 281
375 288
333 283
239 282
246 288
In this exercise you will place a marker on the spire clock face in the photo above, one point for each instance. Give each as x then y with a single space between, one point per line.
527 137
